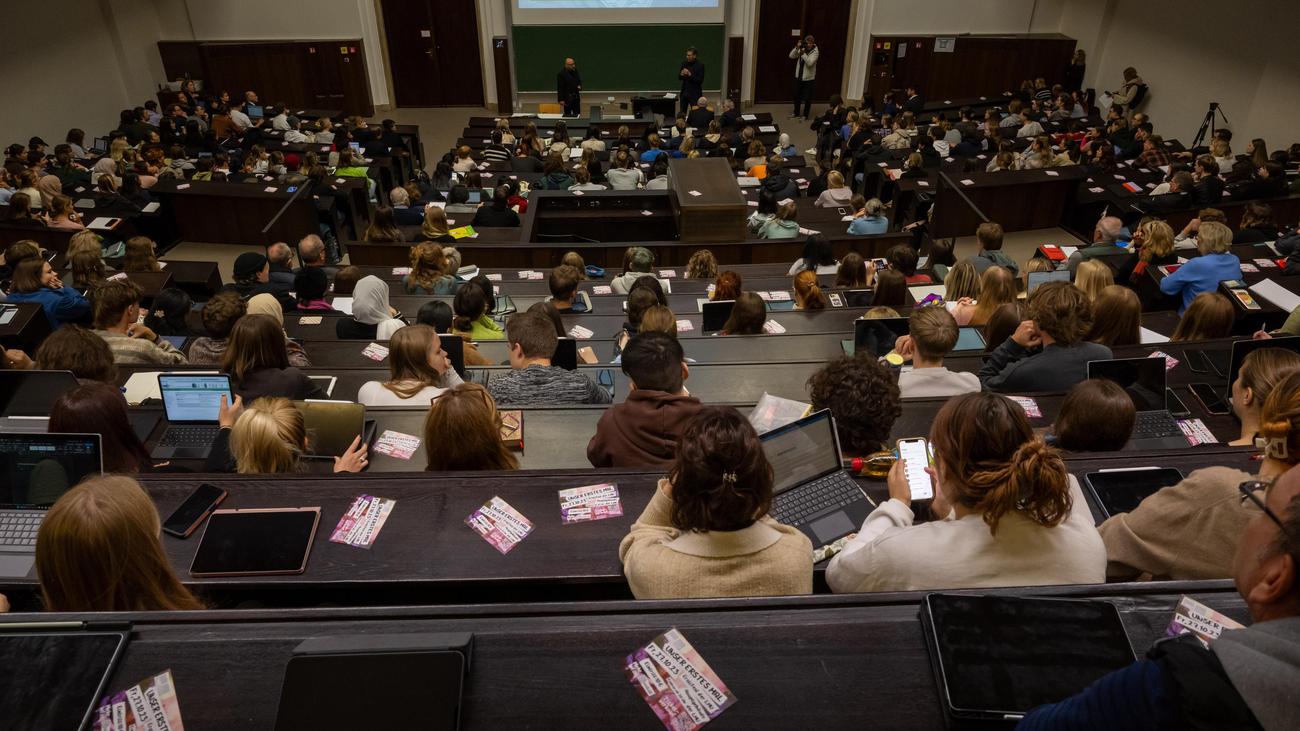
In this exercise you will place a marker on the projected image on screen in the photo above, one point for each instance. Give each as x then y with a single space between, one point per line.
614 4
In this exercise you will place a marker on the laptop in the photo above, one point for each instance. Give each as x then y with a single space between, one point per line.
253 111
716 314
32 393
812 491
1116 491
191 403
969 338
99 146
877 336
1144 380
1243 348
859 297
331 426
35 471
1034 279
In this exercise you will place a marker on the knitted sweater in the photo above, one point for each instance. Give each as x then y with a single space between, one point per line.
661 562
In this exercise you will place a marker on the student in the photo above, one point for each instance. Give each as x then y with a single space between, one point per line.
765 212
98 550
864 398
997 287
1211 315
219 314
1047 352
140 256
807 294
436 227
852 272
252 273
258 362
462 432
870 219
1092 277
1116 317
167 315
1203 273
97 407
499 213
76 349
990 235
836 193
891 290
1154 241
702 265
748 316
637 261
372 317
1013 514
269 436
903 259
1258 376
117 316
428 273
1105 236
35 281
264 304
1186 531
624 174
727 286
933 334
643 431
706 531
818 256
473 319
418 370
962 283
645 294
310 285
563 283
1097 415
532 380
383 227
782 225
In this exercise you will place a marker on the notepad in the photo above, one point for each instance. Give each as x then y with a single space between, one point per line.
766 128
1277 295
749 117
104 223
1150 337
342 304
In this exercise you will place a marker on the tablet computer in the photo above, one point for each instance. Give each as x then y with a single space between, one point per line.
59 674
1120 491
995 658
331 426
256 542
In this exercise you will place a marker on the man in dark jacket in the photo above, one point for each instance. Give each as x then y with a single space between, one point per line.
568 88
1244 679
777 182
253 277
691 73
643 430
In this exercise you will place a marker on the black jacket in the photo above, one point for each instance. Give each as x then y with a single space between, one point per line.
693 86
407 216
567 85
489 216
914 105
1208 191
780 186
699 118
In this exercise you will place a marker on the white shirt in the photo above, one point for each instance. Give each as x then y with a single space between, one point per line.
659 183
373 393
280 122
240 120
936 383
587 186
1032 129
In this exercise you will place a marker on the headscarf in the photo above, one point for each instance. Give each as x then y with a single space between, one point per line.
370 301
49 186
266 304
105 166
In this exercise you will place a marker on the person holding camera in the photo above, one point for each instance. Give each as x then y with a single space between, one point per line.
805 55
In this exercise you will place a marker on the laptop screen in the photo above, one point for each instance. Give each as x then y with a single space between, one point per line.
253 111
1142 378
802 451
101 143
36 469
32 393
1034 279
1243 348
877 336
716 314
194 398
969 338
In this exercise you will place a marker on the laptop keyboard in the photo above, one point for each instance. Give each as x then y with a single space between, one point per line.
18 527
1155 425
189 436
832 491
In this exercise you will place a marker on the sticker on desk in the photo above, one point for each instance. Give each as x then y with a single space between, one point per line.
578 332
752 203
593 502
646 212
602 289
667 273
772 327
1096 190
1193 617
310 320
967 181
1052 173
493 277
530 275
360 526
577 192
119 275
1249 268
401 271
396 444
808 231
695 193
684 326
499 524
1266 263
375 352
677 684
1197 432
340 181
1170 361
150 704
182 186
1029 405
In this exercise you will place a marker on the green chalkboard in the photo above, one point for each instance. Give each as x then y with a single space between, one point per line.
616 57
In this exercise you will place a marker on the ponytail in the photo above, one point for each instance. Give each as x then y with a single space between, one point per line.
809 291
1280 419
462 323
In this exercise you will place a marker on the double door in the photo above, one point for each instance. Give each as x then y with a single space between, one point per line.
433 52
780 24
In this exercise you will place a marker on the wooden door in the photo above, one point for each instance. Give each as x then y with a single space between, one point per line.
780 23
880 77
434 57
828 21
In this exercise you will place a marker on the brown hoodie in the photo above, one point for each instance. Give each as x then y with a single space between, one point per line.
642 431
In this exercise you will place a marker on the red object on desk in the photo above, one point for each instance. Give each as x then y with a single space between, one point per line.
1052 252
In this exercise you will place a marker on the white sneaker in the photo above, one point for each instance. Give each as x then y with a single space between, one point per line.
811 151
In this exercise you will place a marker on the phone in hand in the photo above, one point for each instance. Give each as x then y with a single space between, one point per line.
1210 398
196 508
916 452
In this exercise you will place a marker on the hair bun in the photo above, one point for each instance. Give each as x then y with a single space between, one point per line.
1275 429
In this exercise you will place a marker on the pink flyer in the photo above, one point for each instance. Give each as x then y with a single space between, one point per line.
676 683
149 706
360 526
593 502
499 524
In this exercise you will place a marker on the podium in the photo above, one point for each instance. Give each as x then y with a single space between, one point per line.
706 200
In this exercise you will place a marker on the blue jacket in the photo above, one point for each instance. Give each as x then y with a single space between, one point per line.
1201 274
867 225
60 305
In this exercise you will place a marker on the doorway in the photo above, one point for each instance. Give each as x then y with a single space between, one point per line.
780 23
434 64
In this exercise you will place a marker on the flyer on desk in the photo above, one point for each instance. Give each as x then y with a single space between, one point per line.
593 502
1198 619
360 526
677 684
500 524
149 706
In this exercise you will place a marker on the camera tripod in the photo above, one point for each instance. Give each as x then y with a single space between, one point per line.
1208 124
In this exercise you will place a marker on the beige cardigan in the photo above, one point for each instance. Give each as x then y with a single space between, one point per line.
1185 531
891 554
661 562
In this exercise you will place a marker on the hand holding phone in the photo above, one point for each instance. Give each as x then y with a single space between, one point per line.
914 456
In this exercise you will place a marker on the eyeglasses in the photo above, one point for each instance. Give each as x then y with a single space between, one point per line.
1252 490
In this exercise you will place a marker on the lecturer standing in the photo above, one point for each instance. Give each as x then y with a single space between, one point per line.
805 73
568 88
692 76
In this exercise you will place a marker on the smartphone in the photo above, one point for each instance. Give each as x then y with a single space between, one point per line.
836 299
917 454
196 508
1195 360
1175 405
1210 398
881 264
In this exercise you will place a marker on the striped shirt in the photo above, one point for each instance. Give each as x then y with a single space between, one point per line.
138 351
539 385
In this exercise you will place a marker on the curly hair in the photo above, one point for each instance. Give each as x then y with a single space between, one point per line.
863 396
1062 310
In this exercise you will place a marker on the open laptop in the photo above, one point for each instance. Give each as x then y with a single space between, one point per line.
192 403
332 426
1035 279
35 471
716 314
812 491
31 393
1243 348
253 111
1144 380
877 336
99 146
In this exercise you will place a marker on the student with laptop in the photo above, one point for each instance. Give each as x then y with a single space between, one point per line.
99 408
1012 514
1244 679
933 334
533 380
418 369
706 531
643 431
269 436
1097 415
1186 531
863 397
1047 351
117 314
76 349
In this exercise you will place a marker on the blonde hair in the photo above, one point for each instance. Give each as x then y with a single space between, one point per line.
834 179
702 265
963 280
1280 415
408 361
997 288
268 437
84 241
1210 315
658 319
1213 238
1158 239
1092 277
435 222
98 551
